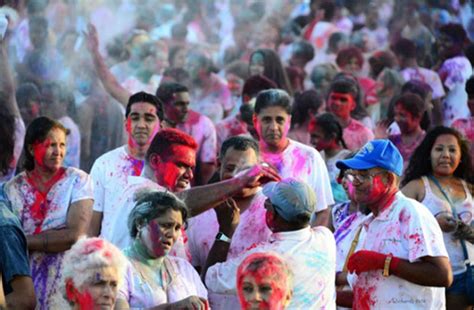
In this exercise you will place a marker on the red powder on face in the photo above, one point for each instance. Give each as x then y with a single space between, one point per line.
39 151
363 299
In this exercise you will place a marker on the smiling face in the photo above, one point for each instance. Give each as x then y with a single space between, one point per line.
445 155
159 235
142 124
272 125
177 111
175 169
341 104
49 154
102 288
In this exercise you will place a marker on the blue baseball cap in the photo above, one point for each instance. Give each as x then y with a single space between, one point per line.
376 153
291 198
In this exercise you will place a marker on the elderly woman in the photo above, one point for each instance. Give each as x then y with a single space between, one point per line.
155 279
53 203
440 176
93 269
264 281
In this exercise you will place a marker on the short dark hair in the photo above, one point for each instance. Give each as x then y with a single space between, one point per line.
165 138
26 92
455 31
148 98
167 90
239 143
405 48
151 204
273 98
303 49
255 84
470 87
344 55
303 103
329 8
36 132
417 87
412 103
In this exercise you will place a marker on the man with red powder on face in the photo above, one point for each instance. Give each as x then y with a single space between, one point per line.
272 119
175 98
400 260
110 171
169 165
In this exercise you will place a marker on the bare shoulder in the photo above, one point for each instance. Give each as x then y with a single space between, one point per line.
414 189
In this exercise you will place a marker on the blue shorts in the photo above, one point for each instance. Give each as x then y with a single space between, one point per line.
459 285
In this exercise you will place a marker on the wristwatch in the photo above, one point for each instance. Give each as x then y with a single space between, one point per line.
222 237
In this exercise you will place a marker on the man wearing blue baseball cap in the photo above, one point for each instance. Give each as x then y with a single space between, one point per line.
311 252
400 259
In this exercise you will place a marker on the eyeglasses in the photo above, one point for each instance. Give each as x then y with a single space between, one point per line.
354 175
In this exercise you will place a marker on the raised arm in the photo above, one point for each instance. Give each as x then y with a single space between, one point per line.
7 82
60 240
109 81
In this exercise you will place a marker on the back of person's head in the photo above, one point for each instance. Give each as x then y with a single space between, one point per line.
37 132
302 49
322 75
405 48
201 60
329 8
179 31
273 98
273 68
305 104
255 84
456 32
167 90
165 139
178 75
420 162
470 87
336 41
26 92
417 87
151 204
469 52
329 125
238 68
346 54
239 143
381 60
141 97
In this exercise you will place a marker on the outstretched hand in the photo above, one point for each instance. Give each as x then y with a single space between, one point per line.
258 175
92 38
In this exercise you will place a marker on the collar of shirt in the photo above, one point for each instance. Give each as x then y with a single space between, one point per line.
299 234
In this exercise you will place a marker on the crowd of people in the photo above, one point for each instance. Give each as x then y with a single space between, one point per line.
236 154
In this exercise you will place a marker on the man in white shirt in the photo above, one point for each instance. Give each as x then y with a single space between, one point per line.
272 119
401 260
237 154
310 252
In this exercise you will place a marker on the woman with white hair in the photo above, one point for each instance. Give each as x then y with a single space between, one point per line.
155 279
91 273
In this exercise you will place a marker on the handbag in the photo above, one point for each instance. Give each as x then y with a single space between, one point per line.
469 267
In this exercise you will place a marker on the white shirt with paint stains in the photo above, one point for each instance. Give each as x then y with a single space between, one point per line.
202 231
304 163
409 231
311 255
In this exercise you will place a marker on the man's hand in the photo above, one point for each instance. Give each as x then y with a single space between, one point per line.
228 217
362 261
465 232
258 175
92 38
192 303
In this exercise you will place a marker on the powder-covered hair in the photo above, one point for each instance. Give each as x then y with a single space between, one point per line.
81 262
269 265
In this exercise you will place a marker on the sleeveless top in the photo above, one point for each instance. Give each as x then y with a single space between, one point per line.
464 210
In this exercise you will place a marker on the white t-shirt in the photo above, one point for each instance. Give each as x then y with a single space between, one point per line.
203 131
311 255
454 73
110 174
409 231
202 231
304 163
73 143
427 76
142 287
75 185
